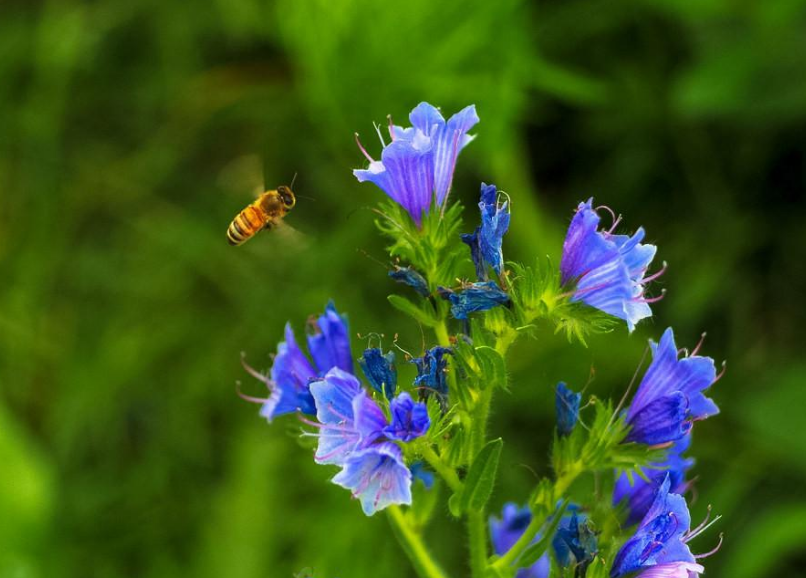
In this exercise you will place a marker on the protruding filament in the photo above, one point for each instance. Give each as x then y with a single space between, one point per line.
362 149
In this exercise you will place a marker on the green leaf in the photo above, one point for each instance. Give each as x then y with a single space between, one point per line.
478 485
493 367
418 313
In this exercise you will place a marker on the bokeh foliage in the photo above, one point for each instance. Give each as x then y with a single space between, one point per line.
124 129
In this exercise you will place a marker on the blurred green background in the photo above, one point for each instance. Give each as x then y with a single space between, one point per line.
124 129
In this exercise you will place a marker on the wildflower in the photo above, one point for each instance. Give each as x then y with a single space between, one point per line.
416 168
606 270
574 542
640 494
377 476
660 538
566 405
431 369
380 370
348 418
507 530
485 242
412 278
479 296
670 396
409 419
291 371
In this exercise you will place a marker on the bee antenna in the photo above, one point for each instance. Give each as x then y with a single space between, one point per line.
291 186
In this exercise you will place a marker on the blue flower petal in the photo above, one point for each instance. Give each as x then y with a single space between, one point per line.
566 405
290 374
377 476
448 141
420 472
334 409
330 347
473 241
480 296
409 419
380 370
431 369
660 421
574 543
369 419
494 224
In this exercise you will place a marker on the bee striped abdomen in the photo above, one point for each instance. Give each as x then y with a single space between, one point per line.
245 225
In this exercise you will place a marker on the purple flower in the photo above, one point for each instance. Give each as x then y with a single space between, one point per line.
506 531
670 396
673 570
486 241
641 493
348 418
574 542
660 538
566 405
480 296
417 167
606 270
380 370
377 476
409 419
291 371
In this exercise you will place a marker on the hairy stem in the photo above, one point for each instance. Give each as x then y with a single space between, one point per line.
413 545
447 472
477 535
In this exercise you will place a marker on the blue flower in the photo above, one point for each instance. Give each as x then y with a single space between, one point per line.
377 476
574 542
411 278
409 419
670 395
640 493
380 370
416 168
507 530
473 240
291 371
485 242
660 537
348 418
566 405
431 369
606 270
480 296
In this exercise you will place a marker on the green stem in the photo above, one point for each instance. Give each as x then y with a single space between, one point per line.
560 486
477 535
413 545
447 472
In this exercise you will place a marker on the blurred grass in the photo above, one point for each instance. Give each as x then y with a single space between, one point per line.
124 312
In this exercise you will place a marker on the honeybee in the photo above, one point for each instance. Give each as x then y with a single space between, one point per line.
265 213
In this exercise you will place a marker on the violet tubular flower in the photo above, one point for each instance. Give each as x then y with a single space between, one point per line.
486 241
670 396
660 538
506 531
640 494
416 168
574 542
412 278
377 476
292 372
607 271
409 419
431 368
380 370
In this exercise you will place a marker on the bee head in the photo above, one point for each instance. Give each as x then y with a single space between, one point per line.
287 195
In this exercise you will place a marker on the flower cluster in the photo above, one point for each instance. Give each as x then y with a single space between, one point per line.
432 426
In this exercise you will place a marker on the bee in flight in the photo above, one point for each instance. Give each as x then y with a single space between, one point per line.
265 213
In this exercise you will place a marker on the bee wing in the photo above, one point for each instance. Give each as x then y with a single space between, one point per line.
245 173
288 235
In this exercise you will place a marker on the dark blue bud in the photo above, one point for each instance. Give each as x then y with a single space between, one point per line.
411 278
419 472
380 370
431 372
409 419
472 241
494 224
575 543
566 404
477 297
